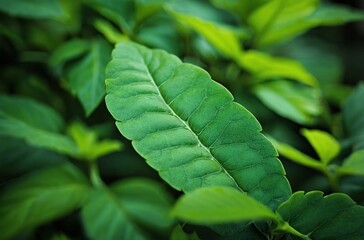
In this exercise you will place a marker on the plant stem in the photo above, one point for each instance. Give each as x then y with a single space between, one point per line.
333 179
95 175
285 227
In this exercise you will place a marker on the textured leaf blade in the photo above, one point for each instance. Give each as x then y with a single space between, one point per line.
334 216
188 127
213 205
41 197
35 123
325 145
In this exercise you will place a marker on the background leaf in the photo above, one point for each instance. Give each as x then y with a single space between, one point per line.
37 9
213 205
37 124
41 197
325 145
334 216
354 164
128 206
86 77
195 134
353 117
296 102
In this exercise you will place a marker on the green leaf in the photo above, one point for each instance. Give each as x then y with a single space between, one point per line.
37 9
213 205
179 234
280 19
353 117
325 145
90 148
334 14
296 156
224 38
40 198
353 165
119 212
265 67
334 216
18 158
86 77
112 34
37 124
294 101
188 127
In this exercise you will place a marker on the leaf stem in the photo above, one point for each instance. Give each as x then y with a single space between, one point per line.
285 227
95 175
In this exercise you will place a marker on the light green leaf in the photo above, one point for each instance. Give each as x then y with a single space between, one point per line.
353 165
325 145
112 34
118 213
265 67
224 38
90 148
86 77
334 216
37 9
280 19
40 198
294 101
353 117
296 156
188 127
213 205
37 124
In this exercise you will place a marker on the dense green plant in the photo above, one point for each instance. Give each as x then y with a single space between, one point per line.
186 83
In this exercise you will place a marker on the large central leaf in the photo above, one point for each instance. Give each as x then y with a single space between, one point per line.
188 127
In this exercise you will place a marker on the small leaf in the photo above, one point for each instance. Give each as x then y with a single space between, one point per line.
296 156
35 123
265 67
334 216
353 165
112 34
296 102
353 117
36 9
220 205
90 148
188 127
86 77
325 145
41 197
119 212
179 234
224 38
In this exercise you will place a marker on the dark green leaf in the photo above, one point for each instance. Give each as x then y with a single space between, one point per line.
38 9
34 122
220 205
188 127
353 165
353 116
40 198
333 217
119 212
86 77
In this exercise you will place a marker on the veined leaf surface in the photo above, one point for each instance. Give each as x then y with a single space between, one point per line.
187 126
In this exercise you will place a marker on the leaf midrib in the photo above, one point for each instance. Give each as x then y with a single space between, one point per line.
200 144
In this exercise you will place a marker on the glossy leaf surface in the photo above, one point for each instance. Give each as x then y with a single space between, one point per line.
188 127
40 198
334 216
